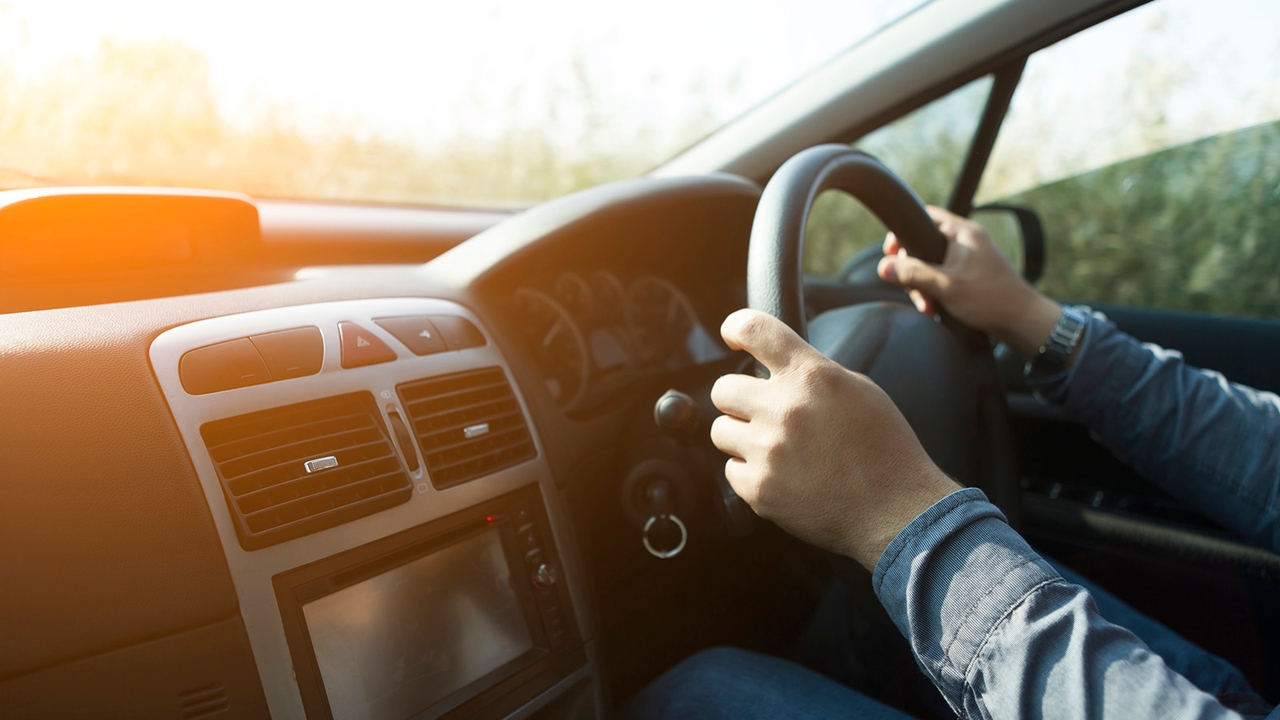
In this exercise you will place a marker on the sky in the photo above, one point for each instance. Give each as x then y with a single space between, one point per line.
422 71
594 75
1163 74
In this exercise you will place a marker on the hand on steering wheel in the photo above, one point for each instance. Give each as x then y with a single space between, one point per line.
974 282
820 449
817 448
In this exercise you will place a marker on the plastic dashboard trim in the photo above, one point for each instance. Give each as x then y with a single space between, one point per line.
251 571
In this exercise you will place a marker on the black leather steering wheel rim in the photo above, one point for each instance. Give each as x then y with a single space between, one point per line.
774 256
775 286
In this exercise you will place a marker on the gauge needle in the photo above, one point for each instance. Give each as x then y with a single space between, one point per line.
551 334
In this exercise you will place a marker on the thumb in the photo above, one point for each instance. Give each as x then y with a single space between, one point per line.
767 338
904 270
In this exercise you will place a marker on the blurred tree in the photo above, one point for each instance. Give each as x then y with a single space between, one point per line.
1194 227
146 114
925 148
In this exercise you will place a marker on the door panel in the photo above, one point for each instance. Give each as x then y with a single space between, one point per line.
1091 511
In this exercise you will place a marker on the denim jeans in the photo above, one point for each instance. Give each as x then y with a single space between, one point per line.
735 684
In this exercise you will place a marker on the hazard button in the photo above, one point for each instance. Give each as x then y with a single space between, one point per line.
361 347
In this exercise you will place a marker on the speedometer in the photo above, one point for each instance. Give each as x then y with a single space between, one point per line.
556 344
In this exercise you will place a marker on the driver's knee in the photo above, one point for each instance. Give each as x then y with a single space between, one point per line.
732 683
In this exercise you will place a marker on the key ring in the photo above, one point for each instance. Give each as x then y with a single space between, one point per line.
665 554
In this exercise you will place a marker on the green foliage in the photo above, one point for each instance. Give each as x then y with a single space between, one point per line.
146 114
1194 227
926 148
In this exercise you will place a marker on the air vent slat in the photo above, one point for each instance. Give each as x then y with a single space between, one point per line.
292 469
468 425
456 429
319 482
448 460
261 461
257 436
312 505
443 442
204 702
427 408
449 392
298 452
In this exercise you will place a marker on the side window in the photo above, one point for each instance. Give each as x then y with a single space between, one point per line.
1150 147
926 148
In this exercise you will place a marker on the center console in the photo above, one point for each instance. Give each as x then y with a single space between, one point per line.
464 616
391 526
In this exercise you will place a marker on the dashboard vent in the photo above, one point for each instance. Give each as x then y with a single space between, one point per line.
298 469
468 425
203 702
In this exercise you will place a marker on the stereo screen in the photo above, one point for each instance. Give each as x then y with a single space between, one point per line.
393 645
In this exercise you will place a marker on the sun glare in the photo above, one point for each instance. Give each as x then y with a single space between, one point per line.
484 102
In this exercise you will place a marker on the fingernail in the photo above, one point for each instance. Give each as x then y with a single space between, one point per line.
891 270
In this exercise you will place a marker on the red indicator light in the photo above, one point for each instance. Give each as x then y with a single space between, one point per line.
491 519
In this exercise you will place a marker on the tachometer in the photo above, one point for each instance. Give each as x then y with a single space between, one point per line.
659 317
556 343
574 295
606 289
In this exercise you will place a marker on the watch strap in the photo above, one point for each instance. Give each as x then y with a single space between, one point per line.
1062 341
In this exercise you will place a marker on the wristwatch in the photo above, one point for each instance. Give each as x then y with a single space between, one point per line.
1062 341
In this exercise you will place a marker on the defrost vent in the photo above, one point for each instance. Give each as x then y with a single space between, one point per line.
203 702
468 425
298 469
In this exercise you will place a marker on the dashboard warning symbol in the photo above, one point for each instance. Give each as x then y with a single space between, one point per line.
360 347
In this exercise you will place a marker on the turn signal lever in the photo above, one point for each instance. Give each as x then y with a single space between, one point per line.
676 414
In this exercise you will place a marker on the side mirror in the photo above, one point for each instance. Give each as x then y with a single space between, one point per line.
1018 232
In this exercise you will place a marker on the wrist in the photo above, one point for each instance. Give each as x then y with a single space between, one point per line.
1029 327
930 485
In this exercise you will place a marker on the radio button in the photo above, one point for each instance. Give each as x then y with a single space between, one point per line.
225 366
417 333
556 629
545 575
458 332
291 353
525 532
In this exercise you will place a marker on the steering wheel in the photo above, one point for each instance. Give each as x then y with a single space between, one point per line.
941 375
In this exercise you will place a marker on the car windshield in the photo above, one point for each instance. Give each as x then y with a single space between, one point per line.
482 103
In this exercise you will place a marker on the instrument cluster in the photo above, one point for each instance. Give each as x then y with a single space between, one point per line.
587 331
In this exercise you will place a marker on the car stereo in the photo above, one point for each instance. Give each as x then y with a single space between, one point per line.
461 617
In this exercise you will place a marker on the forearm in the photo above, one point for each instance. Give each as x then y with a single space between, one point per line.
1211 443
1001 634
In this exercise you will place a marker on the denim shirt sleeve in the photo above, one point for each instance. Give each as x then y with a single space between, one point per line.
1213 444
1002 635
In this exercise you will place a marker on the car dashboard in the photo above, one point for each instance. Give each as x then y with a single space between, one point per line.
351 494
